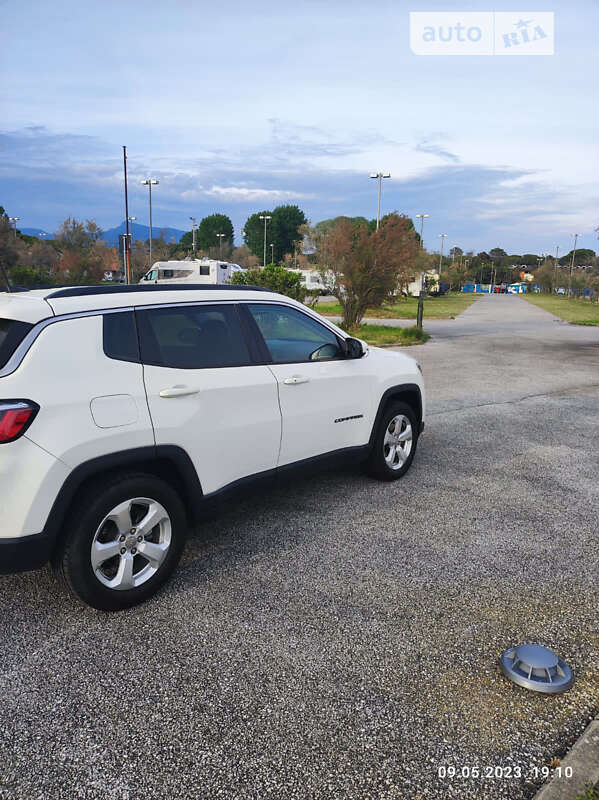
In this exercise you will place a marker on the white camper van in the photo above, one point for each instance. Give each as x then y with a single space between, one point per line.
205 270
312 279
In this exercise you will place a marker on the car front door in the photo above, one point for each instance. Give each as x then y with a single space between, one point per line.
206 393
325 398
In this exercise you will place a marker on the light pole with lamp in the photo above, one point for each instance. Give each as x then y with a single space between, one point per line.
221 236
556 262
14 221
421 217
576 235
379 176
265 217
420 312
193 235
149 182
442 236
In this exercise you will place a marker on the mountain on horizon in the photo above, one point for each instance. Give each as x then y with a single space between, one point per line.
36 232
111 235
141 232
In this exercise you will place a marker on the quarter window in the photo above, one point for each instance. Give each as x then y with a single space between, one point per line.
12 334
292 336
192 337
120 336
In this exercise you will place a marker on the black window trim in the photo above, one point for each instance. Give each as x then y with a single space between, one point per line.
264 346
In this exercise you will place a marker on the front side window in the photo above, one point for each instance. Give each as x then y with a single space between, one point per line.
12 334
152 276
292 336
192 337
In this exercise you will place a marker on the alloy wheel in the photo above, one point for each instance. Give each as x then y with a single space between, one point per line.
131 543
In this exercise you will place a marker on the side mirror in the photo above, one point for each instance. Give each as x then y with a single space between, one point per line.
353 348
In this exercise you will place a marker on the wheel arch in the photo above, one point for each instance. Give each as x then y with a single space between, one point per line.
168 462
409 393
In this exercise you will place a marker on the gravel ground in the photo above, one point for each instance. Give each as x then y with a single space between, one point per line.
338 638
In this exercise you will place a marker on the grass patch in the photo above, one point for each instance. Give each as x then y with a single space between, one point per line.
385 336
446 307
579 312
590 794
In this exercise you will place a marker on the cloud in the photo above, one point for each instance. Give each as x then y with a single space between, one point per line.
47 176
428 145
242 194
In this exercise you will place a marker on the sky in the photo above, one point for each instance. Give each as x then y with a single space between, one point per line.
237 107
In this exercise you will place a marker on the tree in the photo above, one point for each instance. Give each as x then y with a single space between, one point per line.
74 235
9 253
365 265
209 227
253 233
285 229
497 253
277 279
583 257
242 256
456 252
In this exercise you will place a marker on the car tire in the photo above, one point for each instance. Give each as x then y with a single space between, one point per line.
123 539
394 445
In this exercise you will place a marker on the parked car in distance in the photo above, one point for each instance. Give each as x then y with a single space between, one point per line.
125 409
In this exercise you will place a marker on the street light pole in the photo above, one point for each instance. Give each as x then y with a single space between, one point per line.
576 235
220 244
421 217
14 221
149 182
442 237
379 176
272 253
265 217
555 267
193 235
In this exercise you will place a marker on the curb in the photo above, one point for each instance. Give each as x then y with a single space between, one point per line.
583 758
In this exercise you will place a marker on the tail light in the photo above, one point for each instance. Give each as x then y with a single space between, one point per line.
15 417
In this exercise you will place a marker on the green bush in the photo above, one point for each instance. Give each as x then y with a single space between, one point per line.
277 279
27 276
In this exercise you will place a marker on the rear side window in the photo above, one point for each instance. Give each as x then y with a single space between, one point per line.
12 334
120 336
192 337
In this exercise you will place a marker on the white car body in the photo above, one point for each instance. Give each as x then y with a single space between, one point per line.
220 425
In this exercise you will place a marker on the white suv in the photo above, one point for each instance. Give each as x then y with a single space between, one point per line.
123 409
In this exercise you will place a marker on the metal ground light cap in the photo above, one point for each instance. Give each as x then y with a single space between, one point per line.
536 667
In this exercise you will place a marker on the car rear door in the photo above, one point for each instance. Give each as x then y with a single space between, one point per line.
325 398
206 393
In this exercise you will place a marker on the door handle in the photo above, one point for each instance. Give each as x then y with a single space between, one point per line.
295 379
178 391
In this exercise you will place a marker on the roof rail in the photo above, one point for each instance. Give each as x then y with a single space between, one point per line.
81 291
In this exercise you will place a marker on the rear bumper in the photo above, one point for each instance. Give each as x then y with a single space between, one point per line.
24 553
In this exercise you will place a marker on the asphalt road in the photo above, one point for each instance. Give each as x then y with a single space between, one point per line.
339 638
